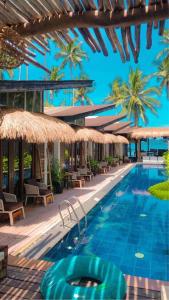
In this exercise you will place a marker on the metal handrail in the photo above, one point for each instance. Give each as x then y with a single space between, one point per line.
83 210
76 216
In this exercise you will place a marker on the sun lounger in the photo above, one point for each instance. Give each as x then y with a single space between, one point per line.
11 207
33 191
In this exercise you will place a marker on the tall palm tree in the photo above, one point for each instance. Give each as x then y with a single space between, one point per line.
81 95
163 54
8 71
134 97
162 62
72 55
56 74
163 75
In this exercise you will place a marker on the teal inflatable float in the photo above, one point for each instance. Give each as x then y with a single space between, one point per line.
56 281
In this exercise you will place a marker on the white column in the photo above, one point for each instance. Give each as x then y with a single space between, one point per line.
56 153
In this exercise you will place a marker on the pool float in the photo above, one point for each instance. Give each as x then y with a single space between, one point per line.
160 190
56 283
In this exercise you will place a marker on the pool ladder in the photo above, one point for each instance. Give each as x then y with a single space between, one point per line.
70 206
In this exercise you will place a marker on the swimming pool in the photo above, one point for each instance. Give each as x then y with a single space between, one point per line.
128 227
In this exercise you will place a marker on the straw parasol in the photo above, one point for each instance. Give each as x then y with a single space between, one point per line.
110 138
33 127
89 135
121 140
150 132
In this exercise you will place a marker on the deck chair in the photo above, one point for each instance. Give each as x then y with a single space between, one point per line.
11 207
103 167
33 191
77 181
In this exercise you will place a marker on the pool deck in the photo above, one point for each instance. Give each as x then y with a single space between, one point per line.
42 228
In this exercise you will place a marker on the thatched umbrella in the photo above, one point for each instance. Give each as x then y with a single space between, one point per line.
150 132
33 127
89 135
121 140
110 138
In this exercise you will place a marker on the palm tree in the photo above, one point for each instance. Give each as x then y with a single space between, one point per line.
56 74
8 71
81 94
72 55
134 97
165 41
163 75
162 62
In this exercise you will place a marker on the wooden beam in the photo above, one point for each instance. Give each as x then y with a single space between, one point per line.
123 18
149 35
109 35
118 45
132 47
125 43
101 41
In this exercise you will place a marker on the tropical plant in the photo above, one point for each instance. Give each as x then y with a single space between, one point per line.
56 172
134 97
94 165
56 74
72 55
109 160
81 95
163 75
162 62
163 54
8 71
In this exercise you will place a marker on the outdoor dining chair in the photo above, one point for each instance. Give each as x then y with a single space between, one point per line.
10 206
33 191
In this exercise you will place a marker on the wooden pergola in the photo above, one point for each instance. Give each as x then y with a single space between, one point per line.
37 21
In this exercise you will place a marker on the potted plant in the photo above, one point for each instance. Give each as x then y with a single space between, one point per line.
94 164
57 177
109 160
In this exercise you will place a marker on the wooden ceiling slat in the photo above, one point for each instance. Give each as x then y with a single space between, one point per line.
21 15
118 5
137 38
40 43
87 39
91 4
25 8
65 36
110 37
118 45
100 4
101 41
161 27
149 35
55 7
78 5
108 5
49 7
7 13
74 32
33 46
39 8
155 24
57 39
43 39
125 43
92 40
132 47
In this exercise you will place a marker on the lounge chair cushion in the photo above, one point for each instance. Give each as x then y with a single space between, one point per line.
2 196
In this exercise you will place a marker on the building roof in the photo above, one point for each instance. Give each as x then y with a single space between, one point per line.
126 130
37 21
68 113
100 122
40 85
116 127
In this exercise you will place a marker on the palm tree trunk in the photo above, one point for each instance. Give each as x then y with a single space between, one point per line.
137 142
71 77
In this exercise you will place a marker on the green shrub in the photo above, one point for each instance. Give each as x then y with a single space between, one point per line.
57 172
109 160
94 164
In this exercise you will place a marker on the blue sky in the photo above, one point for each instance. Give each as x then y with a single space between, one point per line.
103 70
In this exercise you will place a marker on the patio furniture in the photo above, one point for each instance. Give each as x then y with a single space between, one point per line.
10 206
77 181
3 261
103 167
88 175
33 191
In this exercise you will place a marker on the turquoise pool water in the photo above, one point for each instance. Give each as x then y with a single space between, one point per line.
128 227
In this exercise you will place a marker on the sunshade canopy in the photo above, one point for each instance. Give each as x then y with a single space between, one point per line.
150 132
33 127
